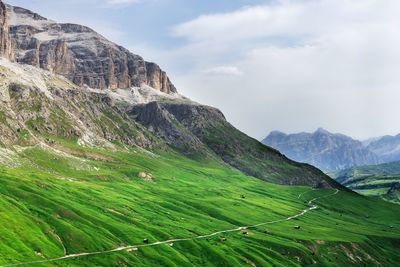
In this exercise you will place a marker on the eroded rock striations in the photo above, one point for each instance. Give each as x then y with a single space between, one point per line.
6 44
36 104
76 52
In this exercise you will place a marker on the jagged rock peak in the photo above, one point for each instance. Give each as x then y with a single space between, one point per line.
6 44
322 131
20 15
79 53
277 133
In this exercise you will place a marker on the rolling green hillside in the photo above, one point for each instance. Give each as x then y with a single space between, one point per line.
66 199
138 177
373 180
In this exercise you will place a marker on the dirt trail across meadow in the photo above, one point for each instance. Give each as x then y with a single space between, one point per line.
171 241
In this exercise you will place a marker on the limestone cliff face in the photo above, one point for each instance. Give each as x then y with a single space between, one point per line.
157 78
6 45
39 103
80 54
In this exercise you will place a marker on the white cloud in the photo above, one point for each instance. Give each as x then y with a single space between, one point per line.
305 64
289 19
223 70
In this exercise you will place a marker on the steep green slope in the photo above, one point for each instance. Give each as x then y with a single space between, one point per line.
373 180
68 199
197 129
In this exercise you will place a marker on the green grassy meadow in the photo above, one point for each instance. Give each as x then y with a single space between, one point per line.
373 180
54 203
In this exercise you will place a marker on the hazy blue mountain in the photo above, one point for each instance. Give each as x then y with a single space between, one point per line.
322 149
387 148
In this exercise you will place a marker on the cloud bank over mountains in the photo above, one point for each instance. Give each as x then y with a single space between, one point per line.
304 64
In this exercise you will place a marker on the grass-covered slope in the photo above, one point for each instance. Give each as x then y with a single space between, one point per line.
72 200
199 130
373 180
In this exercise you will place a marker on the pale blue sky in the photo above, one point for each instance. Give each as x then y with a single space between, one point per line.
289 65
128 21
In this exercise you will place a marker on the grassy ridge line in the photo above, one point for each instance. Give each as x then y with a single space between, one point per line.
203 131
313 207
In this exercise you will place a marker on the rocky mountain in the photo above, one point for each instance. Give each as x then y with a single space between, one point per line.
39 107
98 94
191 127
6 47
76 52
322 149
387 148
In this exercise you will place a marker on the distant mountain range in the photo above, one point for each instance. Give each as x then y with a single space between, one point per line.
387 147
329 151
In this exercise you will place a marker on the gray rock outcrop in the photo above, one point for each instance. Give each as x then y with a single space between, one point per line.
6 45
77 52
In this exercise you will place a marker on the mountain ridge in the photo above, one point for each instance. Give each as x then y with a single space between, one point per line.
322 149
208 127
386 147
76 52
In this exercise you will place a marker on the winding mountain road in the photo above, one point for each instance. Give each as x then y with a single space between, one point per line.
171 241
